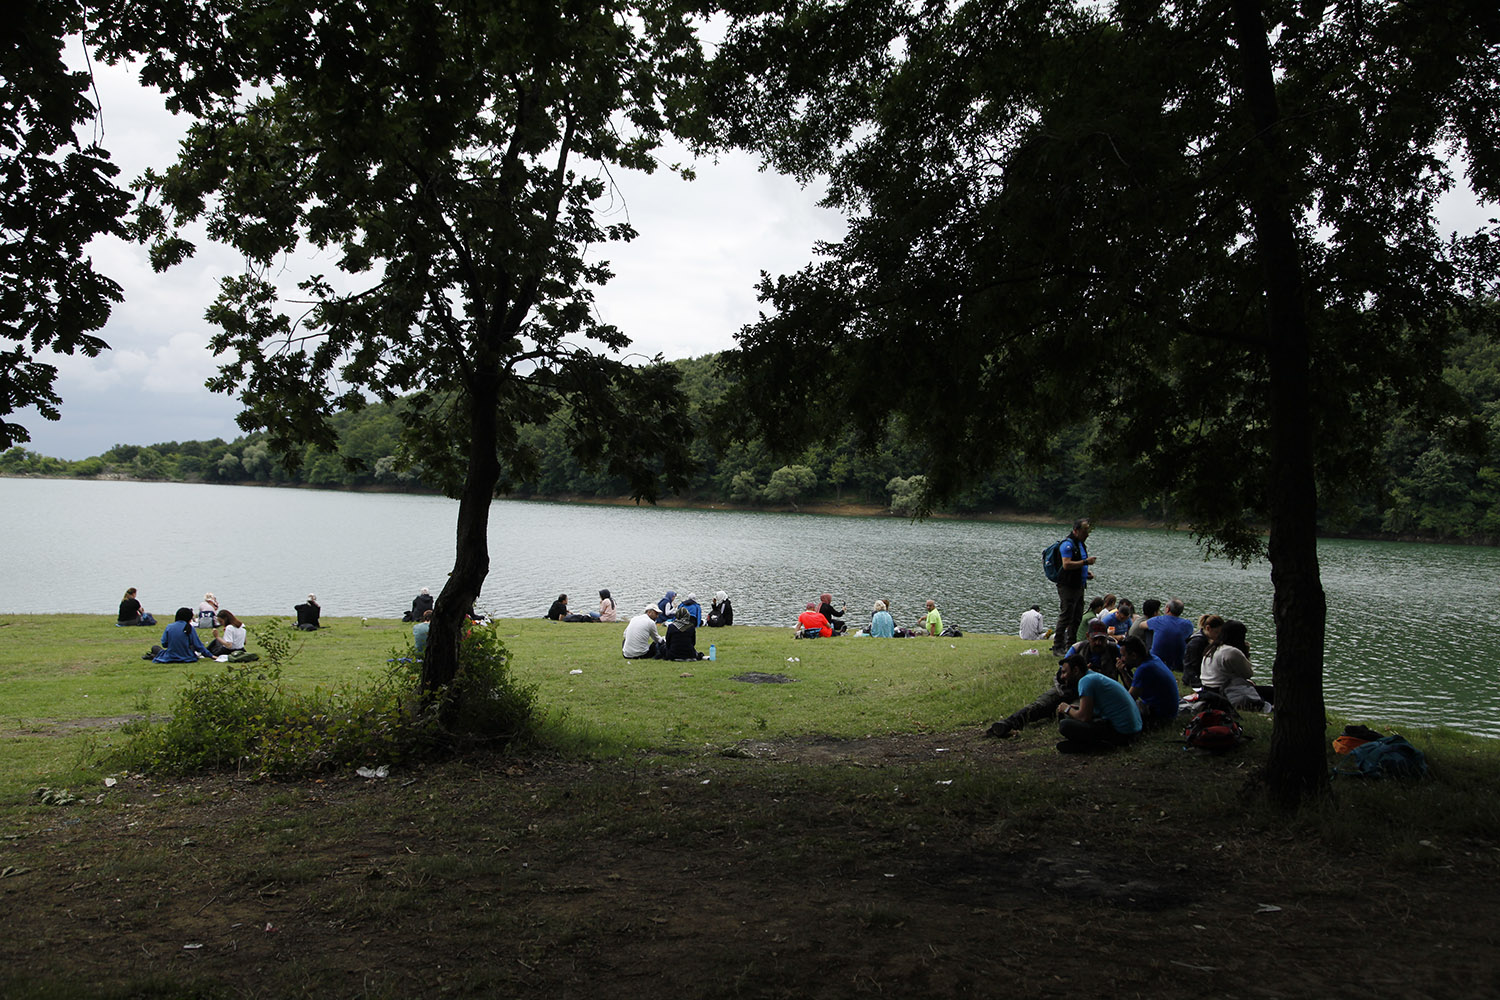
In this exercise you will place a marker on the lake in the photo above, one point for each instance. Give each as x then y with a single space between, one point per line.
1404 636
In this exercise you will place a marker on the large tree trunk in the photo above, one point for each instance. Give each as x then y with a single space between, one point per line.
1297 766
471 563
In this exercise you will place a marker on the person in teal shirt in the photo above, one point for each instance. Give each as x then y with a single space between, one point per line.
419 632
1104 716
882 625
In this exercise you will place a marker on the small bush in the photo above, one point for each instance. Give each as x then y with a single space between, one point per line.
487 701
243 718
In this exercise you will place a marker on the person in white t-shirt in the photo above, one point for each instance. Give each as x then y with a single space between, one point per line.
1031 624
642 641
229 636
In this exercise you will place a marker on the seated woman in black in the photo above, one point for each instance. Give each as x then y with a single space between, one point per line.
681 635
308 614
721 613
131 612
420 604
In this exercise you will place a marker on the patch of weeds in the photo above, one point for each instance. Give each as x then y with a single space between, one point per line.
243 718
486 702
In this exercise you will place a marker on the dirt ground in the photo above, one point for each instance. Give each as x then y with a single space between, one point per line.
807 868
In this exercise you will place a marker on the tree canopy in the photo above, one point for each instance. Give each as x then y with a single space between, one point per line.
1208 224
452 162
56 195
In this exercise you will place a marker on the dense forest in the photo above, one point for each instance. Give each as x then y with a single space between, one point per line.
1441 482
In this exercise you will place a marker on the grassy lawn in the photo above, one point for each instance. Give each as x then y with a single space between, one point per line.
680 831
67 675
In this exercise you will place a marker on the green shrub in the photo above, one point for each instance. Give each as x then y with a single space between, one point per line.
243 718
487 701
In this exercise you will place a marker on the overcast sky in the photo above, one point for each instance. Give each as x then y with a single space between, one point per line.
682 288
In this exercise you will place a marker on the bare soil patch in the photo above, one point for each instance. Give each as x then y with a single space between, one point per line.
925 865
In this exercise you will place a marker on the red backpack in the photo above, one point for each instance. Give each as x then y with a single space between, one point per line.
1213 729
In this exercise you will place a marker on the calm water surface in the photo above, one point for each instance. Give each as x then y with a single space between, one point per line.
1404 636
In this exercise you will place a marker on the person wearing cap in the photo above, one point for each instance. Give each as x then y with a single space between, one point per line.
1101 652
307 614
208 611
1103 715
642 641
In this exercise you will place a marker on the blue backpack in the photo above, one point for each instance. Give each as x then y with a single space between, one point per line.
1052 560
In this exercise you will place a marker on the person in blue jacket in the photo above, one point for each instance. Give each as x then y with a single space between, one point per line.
1070 584
693 607
180 642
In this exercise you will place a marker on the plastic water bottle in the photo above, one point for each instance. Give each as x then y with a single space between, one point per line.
713 651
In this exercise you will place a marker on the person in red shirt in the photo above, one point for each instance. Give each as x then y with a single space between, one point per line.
811 619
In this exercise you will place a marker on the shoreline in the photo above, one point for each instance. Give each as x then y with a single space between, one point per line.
825 508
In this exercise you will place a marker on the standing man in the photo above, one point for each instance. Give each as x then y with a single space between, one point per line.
1070 583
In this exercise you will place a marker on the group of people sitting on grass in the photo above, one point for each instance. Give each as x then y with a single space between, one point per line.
559 611
1121 679
179 640
824 620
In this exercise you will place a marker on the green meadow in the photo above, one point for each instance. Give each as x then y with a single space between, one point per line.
675 829
70 680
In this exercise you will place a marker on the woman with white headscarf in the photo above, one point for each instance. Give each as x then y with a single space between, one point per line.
721 612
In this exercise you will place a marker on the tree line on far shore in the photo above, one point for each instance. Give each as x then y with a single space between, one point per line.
1439 482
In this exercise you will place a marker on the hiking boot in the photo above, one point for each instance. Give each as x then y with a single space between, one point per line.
1000 731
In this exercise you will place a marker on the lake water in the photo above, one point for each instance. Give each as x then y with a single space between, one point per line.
1406 641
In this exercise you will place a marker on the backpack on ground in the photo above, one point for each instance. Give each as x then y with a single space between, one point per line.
952 632
1052 560
1213 729
1388 757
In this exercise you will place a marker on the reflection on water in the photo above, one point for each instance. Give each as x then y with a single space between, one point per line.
1405 642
